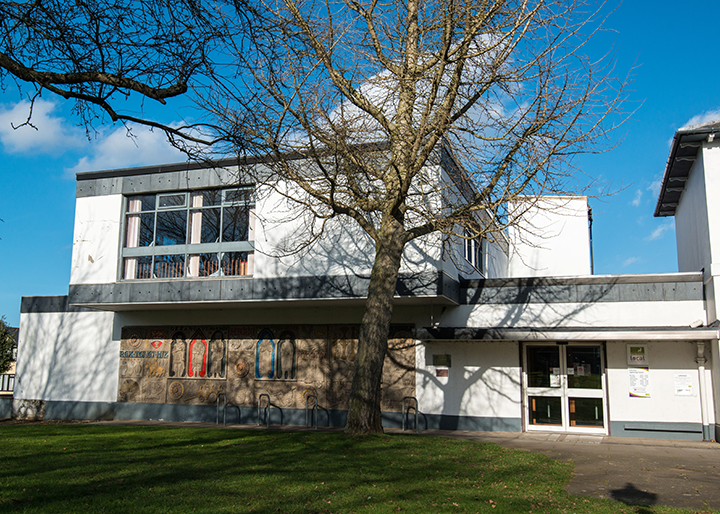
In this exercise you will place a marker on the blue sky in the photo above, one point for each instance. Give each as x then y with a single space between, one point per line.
666 50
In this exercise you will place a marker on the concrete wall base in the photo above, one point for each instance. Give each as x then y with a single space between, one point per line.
659 430
73 410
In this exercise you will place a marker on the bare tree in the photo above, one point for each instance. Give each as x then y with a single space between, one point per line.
373 96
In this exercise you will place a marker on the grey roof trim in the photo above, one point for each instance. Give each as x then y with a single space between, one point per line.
151 170
228 292
569 334
666 287
686 143
641 278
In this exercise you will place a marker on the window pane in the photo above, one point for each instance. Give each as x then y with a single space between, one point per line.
209 265
235 223
237 195
584 367
147 229
169 266
177 200
211 197
209 220
234 263
542 361
545 410
171 228
585 412
147 202
138 268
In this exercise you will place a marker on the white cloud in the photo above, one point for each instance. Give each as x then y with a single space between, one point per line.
703 118
52 134
631 260
49 134
115 148
638 198
660 231
655 186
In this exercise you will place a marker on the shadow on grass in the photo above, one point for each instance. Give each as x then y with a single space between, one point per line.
157 469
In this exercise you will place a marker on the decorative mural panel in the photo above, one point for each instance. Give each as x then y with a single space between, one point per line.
196 364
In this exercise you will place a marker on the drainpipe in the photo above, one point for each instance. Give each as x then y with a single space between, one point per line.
701 360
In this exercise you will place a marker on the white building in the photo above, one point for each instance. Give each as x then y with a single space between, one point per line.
177 298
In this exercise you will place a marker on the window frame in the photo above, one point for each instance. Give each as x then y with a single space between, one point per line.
186 249
473 251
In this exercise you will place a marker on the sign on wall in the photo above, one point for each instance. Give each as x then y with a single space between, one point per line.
683 384
639 380
637 355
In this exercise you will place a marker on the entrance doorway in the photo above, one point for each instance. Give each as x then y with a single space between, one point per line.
564 388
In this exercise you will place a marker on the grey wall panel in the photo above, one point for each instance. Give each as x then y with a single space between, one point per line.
203 290
517 292
241 289
30 304
156 179
679 291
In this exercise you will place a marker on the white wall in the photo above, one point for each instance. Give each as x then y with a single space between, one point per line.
285 246
96 239
497 259
67 356
666 359
483 380
551 238
691 222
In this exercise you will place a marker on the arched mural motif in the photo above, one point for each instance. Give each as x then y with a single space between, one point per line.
178 355
265 355
217 355
198 356
286 356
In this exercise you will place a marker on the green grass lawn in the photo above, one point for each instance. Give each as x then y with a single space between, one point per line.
89 468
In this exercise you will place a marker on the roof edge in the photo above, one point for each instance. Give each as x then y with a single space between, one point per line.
695 135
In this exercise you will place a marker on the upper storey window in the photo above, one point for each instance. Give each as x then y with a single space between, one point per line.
474 252
189 234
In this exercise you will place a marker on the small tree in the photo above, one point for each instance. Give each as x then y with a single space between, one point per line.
500 86
7 344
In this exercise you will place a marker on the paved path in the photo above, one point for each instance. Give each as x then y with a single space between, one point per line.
632 470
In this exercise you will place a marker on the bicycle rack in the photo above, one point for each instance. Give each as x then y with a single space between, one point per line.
267 409
405 413
217 412
314 408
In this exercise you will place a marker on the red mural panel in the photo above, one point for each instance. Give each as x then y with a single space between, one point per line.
197 363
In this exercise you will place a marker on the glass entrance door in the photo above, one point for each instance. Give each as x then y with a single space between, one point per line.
564 387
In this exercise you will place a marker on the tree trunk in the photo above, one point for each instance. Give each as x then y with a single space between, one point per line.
364 415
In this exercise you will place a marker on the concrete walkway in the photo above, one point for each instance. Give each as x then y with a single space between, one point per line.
631 470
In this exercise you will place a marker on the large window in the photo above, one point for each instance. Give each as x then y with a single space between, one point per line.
189 234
